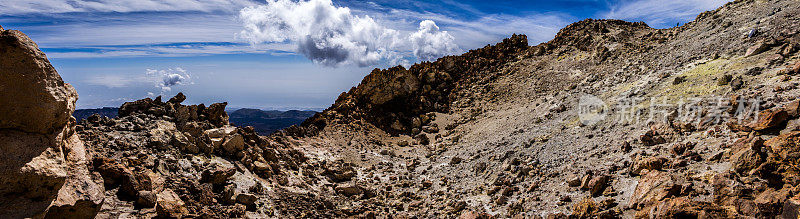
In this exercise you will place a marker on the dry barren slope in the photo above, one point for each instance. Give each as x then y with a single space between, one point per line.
499 132
495 132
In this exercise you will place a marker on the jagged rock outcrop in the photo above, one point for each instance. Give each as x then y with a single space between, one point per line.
469 133
166 159
44 172
398 99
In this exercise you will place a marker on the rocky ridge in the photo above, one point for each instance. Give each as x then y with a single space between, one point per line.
505 138
171 160
494 133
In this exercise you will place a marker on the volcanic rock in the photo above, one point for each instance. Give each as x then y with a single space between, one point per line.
170 205
43 164
770 118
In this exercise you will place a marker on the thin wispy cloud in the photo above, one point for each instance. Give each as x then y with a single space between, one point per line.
169 50
73 30
489 28
658 13
320 30
104 46
363 36
161 79
112 81
13 7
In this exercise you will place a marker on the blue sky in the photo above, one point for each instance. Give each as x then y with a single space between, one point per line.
283 54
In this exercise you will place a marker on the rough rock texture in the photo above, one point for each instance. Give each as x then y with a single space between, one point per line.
497 132
509 140
166 159
44 170
39 101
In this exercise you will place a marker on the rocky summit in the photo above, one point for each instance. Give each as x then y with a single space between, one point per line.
610 119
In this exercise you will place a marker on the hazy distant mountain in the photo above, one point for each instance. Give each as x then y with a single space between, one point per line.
81 114
268 121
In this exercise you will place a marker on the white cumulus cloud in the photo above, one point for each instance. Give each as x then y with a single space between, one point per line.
168 78
332 35
431 43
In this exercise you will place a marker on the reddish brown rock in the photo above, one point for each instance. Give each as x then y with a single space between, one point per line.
747 154
771 201
795 69
170 205
574 182
685 208
759 47
339 171
650 163
217 115
651 138
769 119
652 188
111 171
218 174
586 208
585 181
736 127
784 144
146 199
349 190
248 200
680 148
793 108
598 184
150 180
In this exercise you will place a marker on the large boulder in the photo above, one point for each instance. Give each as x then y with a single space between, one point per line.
43 164
170 205
652 188
650 163
769 119
34 98
217 115
82 193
